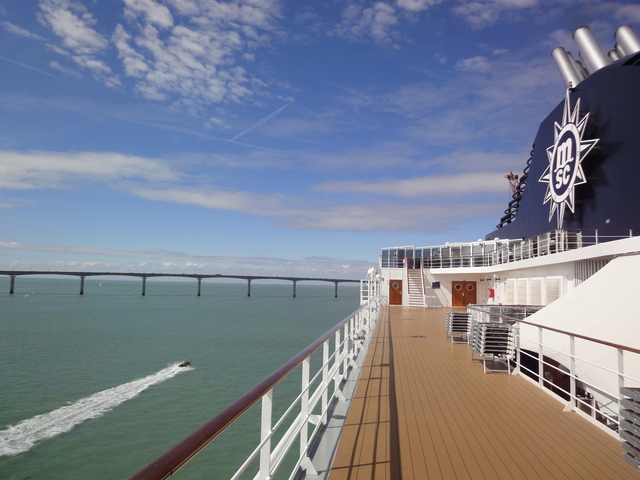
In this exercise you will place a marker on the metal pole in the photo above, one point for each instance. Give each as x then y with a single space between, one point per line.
620 377
265 431
572 371
304 408
540 359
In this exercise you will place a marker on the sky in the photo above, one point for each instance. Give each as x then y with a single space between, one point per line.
269 137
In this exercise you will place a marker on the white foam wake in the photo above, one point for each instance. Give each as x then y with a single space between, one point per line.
24 435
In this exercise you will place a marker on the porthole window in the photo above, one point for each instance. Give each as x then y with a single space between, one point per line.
458 287
469 287
395 285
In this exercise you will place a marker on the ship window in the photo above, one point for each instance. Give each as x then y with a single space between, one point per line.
469 287
458 287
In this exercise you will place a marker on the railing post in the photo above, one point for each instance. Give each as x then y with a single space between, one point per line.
572 373
540 359
345 348
338 357
325 379
620 376
265 431
304 409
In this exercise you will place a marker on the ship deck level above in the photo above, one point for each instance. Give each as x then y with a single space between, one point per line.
423 409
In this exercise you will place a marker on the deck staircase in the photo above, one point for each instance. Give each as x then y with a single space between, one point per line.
416 296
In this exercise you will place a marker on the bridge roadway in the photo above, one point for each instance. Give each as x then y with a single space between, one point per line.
15 273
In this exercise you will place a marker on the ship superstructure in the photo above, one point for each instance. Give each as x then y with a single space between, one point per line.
573 210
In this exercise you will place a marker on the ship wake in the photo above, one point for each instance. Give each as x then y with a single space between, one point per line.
23 436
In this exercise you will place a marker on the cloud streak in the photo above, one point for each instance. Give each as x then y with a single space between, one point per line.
316 209
126 261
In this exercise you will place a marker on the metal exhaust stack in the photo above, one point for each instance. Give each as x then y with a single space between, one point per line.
567 67
591 52
627 40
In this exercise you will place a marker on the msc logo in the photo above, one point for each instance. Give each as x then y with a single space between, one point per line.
565 157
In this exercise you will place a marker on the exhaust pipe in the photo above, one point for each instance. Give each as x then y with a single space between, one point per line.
591 52
566 66
627 40
592 55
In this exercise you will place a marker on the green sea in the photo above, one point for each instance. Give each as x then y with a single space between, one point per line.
90 387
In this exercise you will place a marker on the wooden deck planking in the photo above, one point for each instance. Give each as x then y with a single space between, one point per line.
367 426
440 417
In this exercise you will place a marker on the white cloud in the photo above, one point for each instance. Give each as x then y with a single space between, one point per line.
151 179
152 11
483 13
477 64
435 186
188 52
10 27
133 62
72 22
376 22
61 68
195 61
392 217
417 5
628 13
126 261
61 170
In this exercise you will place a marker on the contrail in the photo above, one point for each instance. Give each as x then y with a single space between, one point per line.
259 122
23 65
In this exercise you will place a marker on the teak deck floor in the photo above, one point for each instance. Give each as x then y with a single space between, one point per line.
424 410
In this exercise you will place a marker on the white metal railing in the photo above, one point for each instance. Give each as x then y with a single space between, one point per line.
321 388
327 380
555 368
498 251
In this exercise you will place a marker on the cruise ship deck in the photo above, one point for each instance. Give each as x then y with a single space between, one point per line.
423 409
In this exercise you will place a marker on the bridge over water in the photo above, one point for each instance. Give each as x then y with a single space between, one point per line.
199 277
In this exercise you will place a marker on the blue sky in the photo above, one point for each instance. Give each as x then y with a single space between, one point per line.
268 136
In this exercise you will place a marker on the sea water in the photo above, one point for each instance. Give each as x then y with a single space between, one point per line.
90 386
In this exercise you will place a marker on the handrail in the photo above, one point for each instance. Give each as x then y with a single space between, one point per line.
557 330
169 462
502 251
558 366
